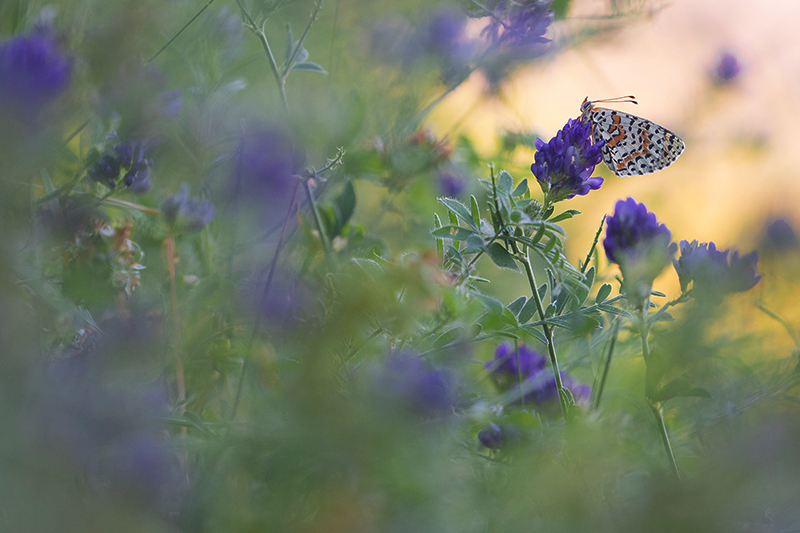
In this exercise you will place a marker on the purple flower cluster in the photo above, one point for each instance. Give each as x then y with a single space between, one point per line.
519 24
33 70
712 271
727 69
537 377
564 165
128 156
189 213
264 169
103 426
410 380
640 246
440 36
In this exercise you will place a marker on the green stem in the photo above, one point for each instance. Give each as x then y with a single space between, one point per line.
594 246
602 381
548 333
519 374
656 407
662 427
323 235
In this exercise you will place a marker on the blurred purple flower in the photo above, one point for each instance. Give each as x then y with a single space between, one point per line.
779 234
188 213
128 156
264 169
564 165
105 426
393 40
491 436
443 35
537 377
519 24
640 246
33 70
711 272
410 380
451 182
727 68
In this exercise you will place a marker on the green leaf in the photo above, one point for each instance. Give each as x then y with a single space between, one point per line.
542 290
613 309
590 276
535 332
603 293
289 44
448 337
658 293
517 305
569 213
453 232
560 8
475 210
48 183
661 317
370 267
459 209
309 66
521 189
474 243
493 305
528 310
679 387
505 182
501 257
538 235
346 203
437 223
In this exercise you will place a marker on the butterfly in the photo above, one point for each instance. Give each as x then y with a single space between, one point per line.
632 145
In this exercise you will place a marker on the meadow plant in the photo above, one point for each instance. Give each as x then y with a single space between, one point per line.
315 341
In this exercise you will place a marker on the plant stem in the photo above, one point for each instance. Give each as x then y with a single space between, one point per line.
602 381
662 427
259 316
656 407
548 333
519 374
169 244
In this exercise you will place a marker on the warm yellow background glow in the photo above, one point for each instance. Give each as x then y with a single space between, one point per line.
740 167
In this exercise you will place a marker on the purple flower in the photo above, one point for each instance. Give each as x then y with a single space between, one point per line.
443 35
505 362
191 213
411 381
95 414
564 165
780 235
451 183
640 246
264 169
491 436
536 375
33 70
712 272
137 179
727 68
519 24
105 170
444 30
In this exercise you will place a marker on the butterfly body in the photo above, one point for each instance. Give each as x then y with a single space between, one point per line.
632 145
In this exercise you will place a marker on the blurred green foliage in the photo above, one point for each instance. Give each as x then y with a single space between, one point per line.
284 367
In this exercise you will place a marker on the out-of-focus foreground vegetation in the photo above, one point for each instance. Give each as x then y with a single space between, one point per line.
244 288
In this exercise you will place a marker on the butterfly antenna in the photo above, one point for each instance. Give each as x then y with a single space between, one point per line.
619 99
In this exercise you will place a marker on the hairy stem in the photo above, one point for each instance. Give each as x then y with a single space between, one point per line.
548 333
